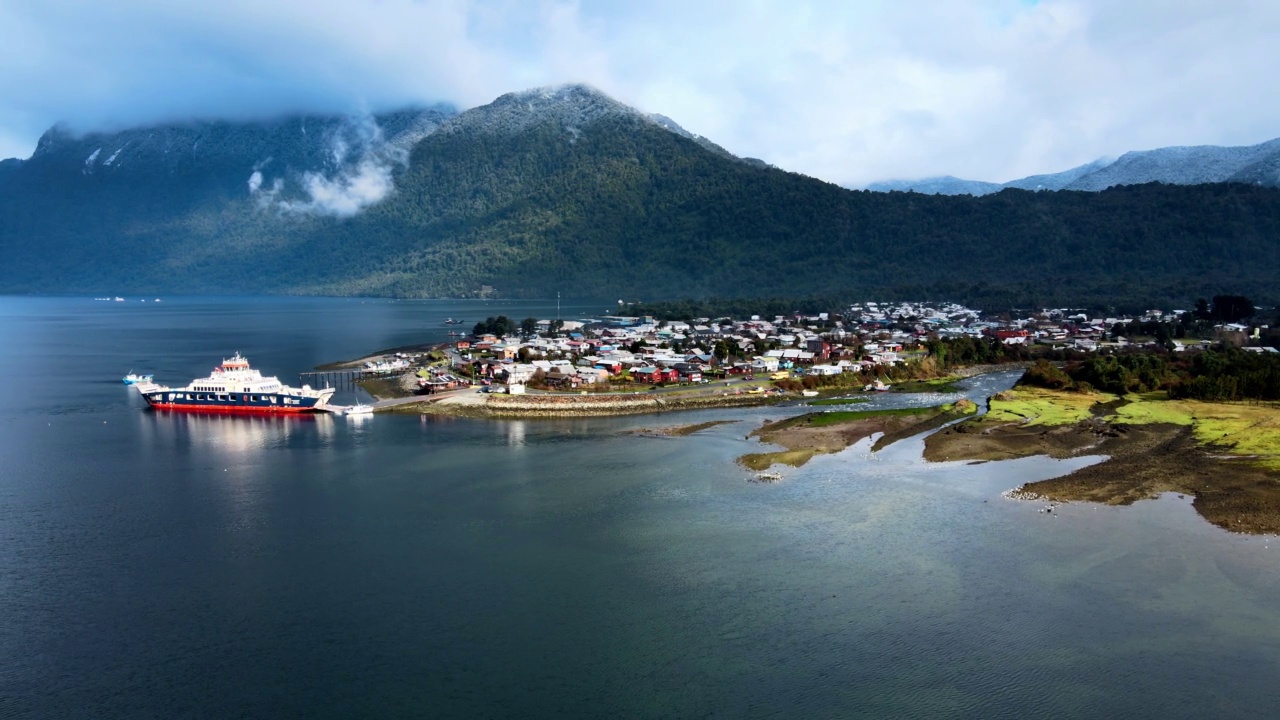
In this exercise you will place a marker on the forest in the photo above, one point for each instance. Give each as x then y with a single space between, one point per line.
625 209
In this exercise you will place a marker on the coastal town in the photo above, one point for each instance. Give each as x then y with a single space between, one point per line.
870 341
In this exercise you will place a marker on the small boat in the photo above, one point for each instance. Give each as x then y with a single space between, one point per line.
451 321
135 379
809 393
359 409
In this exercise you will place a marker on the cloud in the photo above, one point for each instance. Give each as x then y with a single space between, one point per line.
362 163
849 92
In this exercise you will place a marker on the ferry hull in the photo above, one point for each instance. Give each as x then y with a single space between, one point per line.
238 403
233 409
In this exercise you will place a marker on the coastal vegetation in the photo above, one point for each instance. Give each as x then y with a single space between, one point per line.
1224 453
1227 374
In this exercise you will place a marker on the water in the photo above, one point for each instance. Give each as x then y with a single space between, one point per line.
160 565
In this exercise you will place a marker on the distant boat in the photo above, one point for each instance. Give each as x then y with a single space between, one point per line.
134 379
451 321
809 393
359 409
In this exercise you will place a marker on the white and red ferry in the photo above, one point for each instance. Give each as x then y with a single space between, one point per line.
235 387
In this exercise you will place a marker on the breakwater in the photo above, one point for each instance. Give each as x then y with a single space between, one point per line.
532 406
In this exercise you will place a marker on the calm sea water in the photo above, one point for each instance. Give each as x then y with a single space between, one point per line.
161 565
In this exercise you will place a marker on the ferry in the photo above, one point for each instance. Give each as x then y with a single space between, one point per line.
236 388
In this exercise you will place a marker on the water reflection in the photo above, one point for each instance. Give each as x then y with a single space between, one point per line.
237 434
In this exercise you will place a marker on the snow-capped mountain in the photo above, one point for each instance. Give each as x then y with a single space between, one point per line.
945 185
1182 166
1057 181
1253 164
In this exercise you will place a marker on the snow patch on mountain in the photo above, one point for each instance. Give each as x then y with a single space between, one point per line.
1061 180
945 185
1178 165
573 108
569 106
1253 164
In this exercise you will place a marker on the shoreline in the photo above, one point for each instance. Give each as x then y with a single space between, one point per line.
1235 491
470 403
820 433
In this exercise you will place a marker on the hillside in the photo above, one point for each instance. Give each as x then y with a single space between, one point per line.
568 191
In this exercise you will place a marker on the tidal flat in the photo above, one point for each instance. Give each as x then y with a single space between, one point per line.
1225 455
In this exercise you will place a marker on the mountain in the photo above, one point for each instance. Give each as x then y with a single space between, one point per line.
1061 180
945 185
1253 164
566 190
1182 166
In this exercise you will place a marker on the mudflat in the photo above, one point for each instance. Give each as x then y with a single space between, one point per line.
1218 453
805 436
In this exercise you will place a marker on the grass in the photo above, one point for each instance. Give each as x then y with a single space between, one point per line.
1036 406
1247 430
1238 428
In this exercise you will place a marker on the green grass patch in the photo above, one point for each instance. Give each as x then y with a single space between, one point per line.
1037 406
1238 428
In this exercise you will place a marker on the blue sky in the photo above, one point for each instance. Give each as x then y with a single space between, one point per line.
850 92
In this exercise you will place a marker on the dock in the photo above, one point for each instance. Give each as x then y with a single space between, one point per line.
388 403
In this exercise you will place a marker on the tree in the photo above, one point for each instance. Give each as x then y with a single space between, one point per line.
528 326
1231 308
721 350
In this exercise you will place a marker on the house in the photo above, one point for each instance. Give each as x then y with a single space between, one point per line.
824 370
562 376
820 348
592 375
647 374
764 364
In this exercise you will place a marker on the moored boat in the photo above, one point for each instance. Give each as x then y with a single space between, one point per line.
360 409
235 387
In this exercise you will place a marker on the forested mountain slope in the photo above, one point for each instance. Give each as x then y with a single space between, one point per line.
569 191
